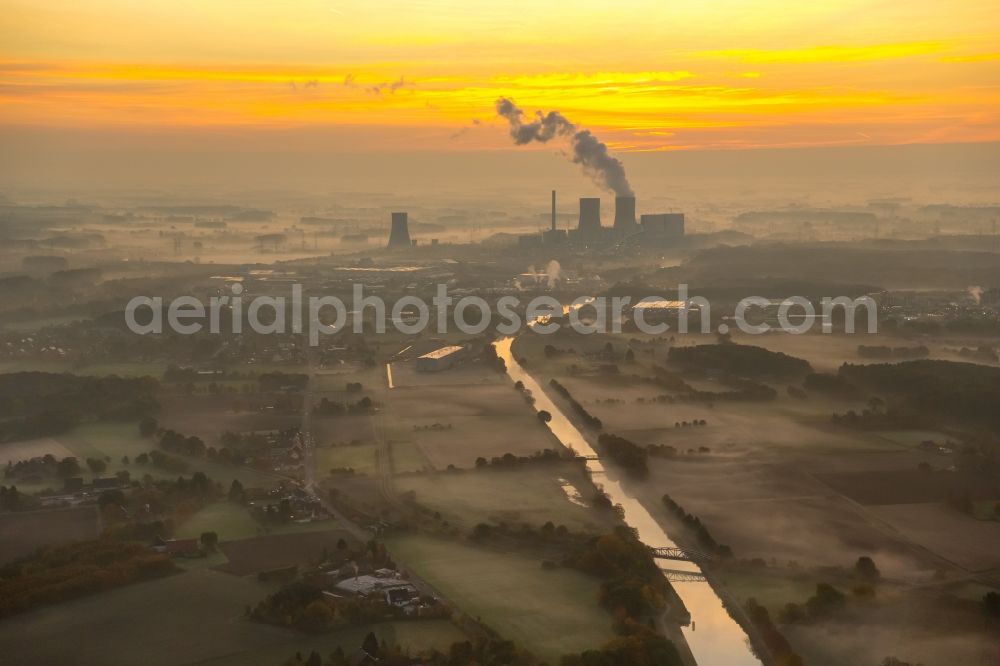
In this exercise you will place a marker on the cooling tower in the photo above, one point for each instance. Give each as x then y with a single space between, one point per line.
590 217
399 235
625 214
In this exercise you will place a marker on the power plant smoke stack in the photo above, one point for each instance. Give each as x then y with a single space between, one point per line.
399 235
590 217
624 214
553 210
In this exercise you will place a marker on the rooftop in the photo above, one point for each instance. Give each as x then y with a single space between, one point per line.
443 351
661 305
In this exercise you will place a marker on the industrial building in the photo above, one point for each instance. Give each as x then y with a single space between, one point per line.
590 218
669 226
399 234
653 229
394 591
440 359
658 311
624 216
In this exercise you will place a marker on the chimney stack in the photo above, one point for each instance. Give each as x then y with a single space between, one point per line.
553 210
399 235
590 217
624 214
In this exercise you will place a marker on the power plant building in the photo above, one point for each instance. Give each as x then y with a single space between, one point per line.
663 226
590 218
399 234
624 215
657 228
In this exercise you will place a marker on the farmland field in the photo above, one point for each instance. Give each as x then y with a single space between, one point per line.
32 448
250 556
454 425
551 613
144 624
360 458
229 520
531 494
23 532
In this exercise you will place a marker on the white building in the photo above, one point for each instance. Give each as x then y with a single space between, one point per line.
440 359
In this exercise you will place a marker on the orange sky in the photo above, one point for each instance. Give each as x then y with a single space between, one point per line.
645 75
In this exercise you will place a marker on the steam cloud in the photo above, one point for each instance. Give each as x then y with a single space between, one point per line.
552 273
588 151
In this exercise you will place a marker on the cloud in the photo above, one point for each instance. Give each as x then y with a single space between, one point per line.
815 54
378 89
390 87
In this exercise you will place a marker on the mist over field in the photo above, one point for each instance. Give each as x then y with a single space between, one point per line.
438 333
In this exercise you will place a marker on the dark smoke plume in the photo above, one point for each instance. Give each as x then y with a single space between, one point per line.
588 151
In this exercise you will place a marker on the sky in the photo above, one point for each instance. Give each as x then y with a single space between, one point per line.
401 75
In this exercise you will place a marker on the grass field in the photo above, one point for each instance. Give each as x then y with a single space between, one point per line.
229 520
22 532
274 551
32 448
192 618
551 613
111 441
530 494
114 440
233 522
474 420
360 458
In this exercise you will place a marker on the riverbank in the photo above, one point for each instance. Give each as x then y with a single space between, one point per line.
721 639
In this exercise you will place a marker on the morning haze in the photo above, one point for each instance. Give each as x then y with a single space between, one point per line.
653 334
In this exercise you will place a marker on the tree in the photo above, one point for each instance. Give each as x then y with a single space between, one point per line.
544 416
827 600
209 540
991 604
317 616
236 491
338 658
10 500
96 465
865 569
370 645
68 466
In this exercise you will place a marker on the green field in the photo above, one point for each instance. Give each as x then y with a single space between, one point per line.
551 613
360 458
192 618
229 520
115 440
111 441
772 591
233 522
529 494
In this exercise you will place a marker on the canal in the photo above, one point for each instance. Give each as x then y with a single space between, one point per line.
715 639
